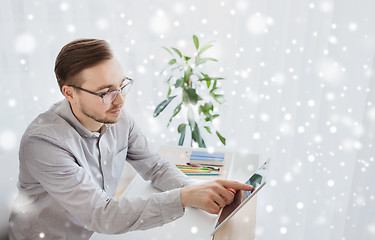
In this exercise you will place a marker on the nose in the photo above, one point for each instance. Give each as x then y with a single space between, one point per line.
119 99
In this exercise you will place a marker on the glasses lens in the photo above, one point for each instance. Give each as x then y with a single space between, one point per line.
110 96
126 87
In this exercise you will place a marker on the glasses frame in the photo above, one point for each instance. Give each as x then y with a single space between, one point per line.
102 95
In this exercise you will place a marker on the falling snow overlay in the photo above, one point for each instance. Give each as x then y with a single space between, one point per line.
299 87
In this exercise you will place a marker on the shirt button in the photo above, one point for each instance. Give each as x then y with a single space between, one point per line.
86 136
104 162
107 186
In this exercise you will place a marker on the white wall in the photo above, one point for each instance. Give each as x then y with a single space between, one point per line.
299 87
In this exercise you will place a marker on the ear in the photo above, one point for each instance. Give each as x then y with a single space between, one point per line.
69 93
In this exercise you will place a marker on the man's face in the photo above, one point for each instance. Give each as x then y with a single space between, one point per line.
102 78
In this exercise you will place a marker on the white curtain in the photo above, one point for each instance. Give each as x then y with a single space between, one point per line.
299 87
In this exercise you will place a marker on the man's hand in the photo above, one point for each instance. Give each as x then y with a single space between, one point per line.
212 196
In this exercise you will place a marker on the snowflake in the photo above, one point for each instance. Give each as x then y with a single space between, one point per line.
288 177
300 205
102 23
283 230
25 43
311 158
353 26
330 183
269 208
71 28
64 6
8 140
159 22
257 24
12 102
326 6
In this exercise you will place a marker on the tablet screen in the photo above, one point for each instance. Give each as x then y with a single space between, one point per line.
256 180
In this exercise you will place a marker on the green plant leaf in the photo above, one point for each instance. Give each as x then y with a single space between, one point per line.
200 61
187 58
200 109
191 118
210 59
216 78
208 129
177 51
222 139
179 83
205 75
182 137
205 47
207 107
169 80
213 87
196 135
191 95
202 144
163 105
218 97
208 78
210 106
208 82
210 117
173 61
196 42
181 127
168 50
169 92
175 112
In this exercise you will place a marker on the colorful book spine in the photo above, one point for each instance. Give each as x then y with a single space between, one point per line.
202 174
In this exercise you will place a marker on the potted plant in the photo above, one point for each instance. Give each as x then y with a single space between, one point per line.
187 85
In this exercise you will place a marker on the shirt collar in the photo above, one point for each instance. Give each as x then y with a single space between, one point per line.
64 110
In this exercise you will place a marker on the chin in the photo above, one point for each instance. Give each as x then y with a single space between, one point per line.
112 120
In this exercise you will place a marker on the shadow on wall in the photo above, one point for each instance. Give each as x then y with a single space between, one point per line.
8 188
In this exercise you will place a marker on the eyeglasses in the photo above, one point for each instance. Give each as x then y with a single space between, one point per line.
110 96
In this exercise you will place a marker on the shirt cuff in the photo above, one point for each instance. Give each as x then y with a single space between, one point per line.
170 205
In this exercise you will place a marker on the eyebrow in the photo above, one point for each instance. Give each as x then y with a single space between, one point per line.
109 85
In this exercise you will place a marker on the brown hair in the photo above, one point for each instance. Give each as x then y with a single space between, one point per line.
77 56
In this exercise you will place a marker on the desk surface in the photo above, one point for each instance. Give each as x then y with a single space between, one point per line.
184 228
240 226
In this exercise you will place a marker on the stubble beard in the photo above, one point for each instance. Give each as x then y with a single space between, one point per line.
101 119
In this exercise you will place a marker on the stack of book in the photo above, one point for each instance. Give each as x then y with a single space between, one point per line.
198 170
205 158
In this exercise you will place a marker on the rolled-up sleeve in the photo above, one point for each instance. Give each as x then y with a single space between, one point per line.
72 186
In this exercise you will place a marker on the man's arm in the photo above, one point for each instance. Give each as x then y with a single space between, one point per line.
209 196
71 186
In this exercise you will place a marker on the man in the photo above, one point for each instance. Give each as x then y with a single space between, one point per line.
71 158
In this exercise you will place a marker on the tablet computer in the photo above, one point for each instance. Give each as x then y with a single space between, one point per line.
257 180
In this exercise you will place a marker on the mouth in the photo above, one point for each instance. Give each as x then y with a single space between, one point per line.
115 111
